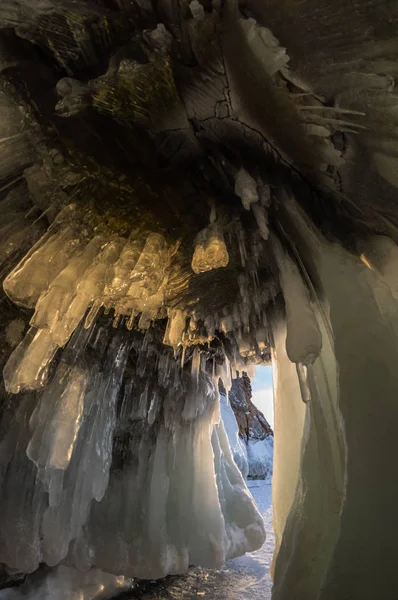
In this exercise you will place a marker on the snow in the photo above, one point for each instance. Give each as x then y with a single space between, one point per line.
261 455
257 564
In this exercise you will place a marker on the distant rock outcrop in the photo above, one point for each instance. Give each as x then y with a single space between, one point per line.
254 430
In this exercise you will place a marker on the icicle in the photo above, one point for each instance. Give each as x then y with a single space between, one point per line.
89 291
144 321
304 338
92 314
262 338
55 301
246 346
241 236
175 327
210 250
261 219
213 212
142 410
124 268
27 367
302 377
210 323
251 371
265 195
33 275
57 420
197 10
116 320
246 188
130 321
195 369
226 323
153 409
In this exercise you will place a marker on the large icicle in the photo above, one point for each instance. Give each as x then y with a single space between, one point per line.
303 339
57 419
27 367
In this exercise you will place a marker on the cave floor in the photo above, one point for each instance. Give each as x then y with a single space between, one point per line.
244 578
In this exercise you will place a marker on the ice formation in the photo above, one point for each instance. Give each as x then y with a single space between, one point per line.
123 305
67 583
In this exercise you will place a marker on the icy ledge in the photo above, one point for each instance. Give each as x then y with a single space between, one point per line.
67 583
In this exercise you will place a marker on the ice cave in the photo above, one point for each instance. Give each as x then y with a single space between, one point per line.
190 190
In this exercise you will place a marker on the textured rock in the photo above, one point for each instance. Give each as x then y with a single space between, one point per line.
251 421
254 431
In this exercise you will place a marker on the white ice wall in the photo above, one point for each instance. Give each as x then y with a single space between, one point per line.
339 539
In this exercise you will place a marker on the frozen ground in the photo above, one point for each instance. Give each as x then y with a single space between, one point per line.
245 578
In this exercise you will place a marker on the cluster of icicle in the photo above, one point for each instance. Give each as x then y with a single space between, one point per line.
70 273
122 435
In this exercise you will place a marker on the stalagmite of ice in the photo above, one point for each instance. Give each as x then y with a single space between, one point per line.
210 250
27 367
67 583
304 339
246 188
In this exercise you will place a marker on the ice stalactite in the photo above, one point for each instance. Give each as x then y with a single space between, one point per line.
173 497
210 250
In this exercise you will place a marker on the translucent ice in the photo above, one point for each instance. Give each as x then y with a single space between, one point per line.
54 302
304 339
34 273
27 367
175 327
57 418
246 188
89 292
210 250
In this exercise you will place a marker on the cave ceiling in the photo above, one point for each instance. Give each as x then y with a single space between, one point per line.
183 127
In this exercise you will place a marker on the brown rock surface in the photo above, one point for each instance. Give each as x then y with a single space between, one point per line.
251 421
